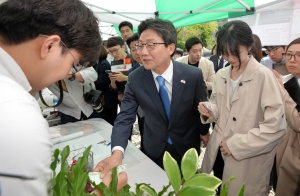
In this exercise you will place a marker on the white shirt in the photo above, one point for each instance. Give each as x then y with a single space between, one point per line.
25 147
73 102
267 61
225 62
233 84
168 76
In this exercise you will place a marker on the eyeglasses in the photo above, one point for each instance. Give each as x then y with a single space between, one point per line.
73 68
149 45
288 56
114 51
272 50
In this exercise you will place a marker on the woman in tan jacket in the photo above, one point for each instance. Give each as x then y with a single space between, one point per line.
247 105
288 153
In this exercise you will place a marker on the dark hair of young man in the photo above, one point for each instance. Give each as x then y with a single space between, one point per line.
125 23
103 53
134 37
178 51
164 28
231 36
114 41
22 21
192 41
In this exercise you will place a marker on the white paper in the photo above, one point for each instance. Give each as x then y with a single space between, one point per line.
122 67
67 137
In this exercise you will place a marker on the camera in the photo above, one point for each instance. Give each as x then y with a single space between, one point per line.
95 98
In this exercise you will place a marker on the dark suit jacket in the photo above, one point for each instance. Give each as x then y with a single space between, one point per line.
102 83
135 66
184 127
215 59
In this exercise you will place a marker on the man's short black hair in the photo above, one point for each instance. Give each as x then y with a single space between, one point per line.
114 41
266 47
71 20
192 41
134 37
179 51
125 23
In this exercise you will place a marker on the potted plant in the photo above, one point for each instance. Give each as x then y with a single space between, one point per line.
72 180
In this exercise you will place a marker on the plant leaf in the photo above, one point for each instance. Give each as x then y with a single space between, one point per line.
172 171
114 182
171 193
242 190
225 185
149 190
60 187
164 190
196 190
204 180
53 166
189 163
102 188
125 191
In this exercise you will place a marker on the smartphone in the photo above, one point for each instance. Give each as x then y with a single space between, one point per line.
109 72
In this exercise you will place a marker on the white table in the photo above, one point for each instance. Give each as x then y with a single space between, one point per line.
139 168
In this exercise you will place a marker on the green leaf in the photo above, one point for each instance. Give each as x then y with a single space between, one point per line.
189 163
60 188
125 191
102 188
114 181
225 185
204 180
171 193
80 176
147 189
54 163
242 190
164 190
138 191
172 171
196 190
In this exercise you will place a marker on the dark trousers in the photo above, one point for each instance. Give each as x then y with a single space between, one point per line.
218 168
110 114
141 122
64 118
173 152
273 175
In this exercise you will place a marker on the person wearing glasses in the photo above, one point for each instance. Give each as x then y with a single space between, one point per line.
288 152
168 92
274 56
247 106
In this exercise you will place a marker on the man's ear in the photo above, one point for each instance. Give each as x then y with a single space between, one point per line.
124 47
49 44
172 48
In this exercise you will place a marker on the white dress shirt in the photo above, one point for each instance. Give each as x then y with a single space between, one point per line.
25 146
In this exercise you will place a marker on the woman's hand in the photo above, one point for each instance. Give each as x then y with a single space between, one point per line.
203 110
224 149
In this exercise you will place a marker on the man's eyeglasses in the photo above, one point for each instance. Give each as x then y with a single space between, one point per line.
114 51
272 50
288 56
73 68
149 45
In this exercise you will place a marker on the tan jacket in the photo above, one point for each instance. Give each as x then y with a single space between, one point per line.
207 68
288 153
252 123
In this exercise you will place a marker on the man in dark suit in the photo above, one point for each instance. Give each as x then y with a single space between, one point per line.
168 93
219 62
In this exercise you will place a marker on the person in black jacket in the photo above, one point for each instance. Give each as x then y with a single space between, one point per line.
110 108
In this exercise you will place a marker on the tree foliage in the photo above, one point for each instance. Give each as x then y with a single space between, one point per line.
204 31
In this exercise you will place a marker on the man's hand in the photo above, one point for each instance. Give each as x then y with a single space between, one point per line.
110 162
224 149
120 97
122 181
204 139
118 76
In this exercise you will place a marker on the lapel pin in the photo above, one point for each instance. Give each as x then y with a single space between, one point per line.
182 81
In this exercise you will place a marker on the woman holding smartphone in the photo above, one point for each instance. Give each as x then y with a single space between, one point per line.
247 106
288 153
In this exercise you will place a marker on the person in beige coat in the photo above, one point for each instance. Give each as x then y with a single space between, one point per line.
194 47
247 106
288 153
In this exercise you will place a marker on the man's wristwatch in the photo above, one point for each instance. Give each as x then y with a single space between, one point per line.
73 77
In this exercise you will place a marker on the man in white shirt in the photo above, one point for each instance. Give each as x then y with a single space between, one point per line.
126 30
274 56
37 48
194 48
